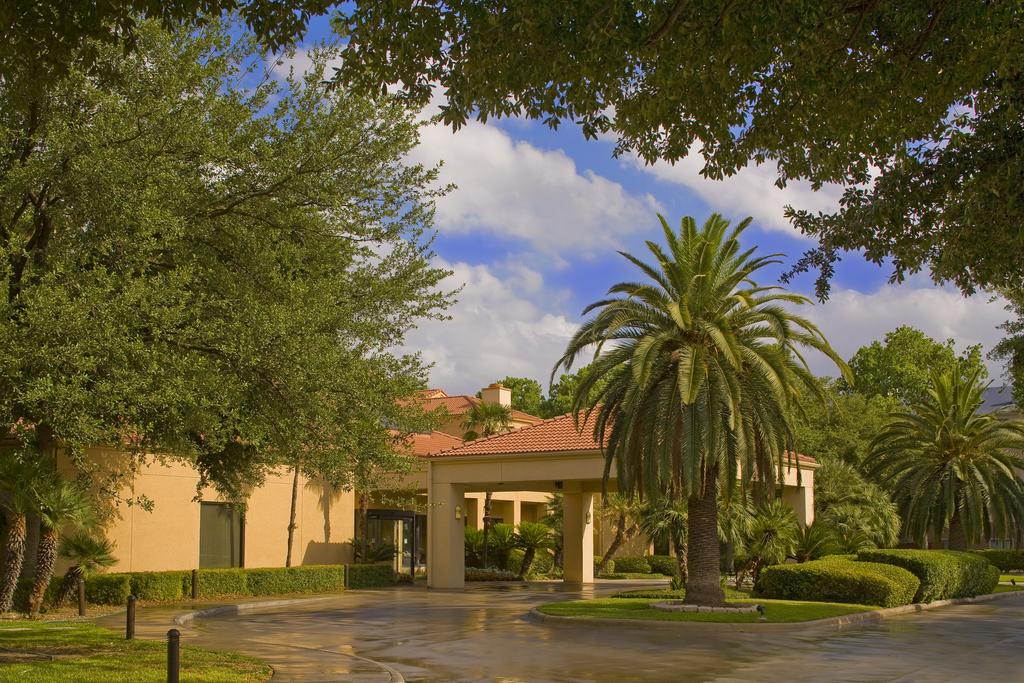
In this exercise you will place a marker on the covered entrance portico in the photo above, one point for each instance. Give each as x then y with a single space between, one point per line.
551 457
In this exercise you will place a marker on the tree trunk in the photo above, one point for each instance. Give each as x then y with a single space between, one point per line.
487 526
957 534
46 558
703 584
528 556
68 586
291 515
15 558
622 534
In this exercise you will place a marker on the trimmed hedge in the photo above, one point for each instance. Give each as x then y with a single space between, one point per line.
108 589
1005 560
218 582
159 586
304 579
832 580
474 574
370 575
944 574
632 565
663 564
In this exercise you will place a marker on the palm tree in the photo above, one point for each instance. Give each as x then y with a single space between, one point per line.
87 553
773 537
61 505
814 541
665 520
623 511
952 469
17 498
487 419
531 537
703 367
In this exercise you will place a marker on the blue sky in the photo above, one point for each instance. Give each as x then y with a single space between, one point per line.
533 227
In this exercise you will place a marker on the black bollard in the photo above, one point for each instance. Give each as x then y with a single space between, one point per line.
81 597
173 655
129 626
195 584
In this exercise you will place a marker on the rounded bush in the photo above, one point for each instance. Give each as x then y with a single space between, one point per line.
632 565
663 564
1005 560
831 580
944 574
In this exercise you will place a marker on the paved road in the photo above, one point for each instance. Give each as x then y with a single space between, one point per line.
480 635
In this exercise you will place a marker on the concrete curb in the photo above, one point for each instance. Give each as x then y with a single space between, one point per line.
827 624
242 607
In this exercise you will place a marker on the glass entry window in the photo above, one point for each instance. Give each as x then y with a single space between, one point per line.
406 531
221 536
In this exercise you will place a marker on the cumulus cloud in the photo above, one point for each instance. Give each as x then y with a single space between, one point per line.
851 319
500 326
534 197
750 192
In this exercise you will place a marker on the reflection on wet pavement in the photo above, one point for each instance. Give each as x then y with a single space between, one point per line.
481 635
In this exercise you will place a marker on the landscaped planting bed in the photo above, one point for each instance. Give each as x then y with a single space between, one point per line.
777 611
944 574
841 581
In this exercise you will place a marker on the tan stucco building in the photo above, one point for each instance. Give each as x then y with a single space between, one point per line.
424 517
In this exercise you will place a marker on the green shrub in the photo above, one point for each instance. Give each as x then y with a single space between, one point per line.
305 579
632 565
543 563
943 574
474 574
108 589
832 580
217 582
370 575
515 560
663 564
158 586
24 587
1005 560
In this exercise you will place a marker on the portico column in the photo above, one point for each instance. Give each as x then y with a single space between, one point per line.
446 559
578 537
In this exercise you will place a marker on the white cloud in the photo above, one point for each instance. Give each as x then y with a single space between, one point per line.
750 192
537 197
499 327
851 319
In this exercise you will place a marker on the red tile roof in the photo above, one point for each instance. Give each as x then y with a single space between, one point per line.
558 434
460 405
422 444
555 435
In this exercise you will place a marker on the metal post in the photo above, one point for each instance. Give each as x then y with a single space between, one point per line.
195 584
129 627
173 655
81 597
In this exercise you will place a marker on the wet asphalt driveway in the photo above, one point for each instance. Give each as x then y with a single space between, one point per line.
481 635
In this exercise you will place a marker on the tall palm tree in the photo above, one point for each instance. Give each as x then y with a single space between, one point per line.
623 511
18 500
87 553
487 419
952 468
61 505
703 367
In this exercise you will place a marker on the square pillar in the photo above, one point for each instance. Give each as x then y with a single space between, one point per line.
446 557
578 537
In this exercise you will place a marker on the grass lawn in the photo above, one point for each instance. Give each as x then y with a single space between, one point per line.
1009 589
632 576
86 652
1005 578
620 607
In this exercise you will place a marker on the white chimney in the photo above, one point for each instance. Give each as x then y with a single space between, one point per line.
496 393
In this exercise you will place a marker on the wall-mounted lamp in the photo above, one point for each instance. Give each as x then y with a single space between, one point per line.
590 518
458 512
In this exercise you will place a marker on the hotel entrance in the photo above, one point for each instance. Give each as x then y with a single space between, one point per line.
406 531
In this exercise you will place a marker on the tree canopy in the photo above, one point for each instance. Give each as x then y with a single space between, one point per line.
200 262
915 106
902 363
527 394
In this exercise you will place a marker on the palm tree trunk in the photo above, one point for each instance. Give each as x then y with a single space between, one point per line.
15 558
487 526
957 534
46 558
68 585
291 515
679 548
528 556
703 585
622 534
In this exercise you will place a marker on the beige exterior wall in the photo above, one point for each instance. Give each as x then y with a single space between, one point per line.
167 537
